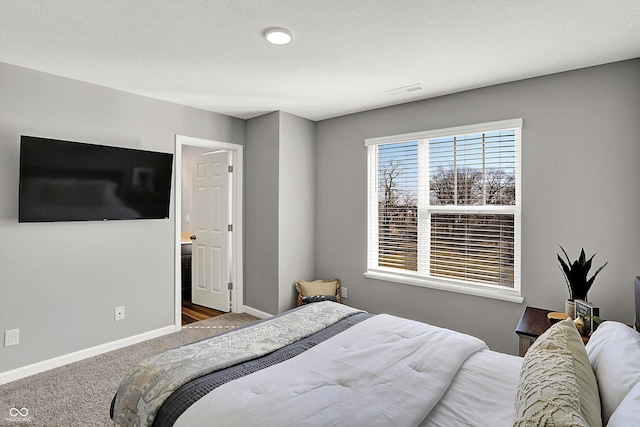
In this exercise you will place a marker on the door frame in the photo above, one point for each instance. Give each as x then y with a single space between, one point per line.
237 293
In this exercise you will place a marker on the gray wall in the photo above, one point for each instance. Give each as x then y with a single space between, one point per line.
279 214
297 206
60 282
580 188
261 213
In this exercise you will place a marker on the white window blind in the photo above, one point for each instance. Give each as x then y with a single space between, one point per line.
444 207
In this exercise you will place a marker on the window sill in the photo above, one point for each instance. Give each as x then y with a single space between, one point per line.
480 291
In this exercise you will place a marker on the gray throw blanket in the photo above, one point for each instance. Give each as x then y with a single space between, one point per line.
145 388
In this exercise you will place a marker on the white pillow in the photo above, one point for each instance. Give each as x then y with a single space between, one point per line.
614 353
628 413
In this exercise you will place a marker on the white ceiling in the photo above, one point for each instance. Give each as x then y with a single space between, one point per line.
345 54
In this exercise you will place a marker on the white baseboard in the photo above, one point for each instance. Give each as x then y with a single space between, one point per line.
56 362
252 311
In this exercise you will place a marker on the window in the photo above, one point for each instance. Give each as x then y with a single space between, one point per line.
444 209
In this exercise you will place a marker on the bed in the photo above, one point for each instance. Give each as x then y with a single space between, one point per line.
328 364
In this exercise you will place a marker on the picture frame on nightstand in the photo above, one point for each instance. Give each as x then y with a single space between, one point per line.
587 310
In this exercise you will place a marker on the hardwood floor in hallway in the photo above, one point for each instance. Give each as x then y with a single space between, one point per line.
194 313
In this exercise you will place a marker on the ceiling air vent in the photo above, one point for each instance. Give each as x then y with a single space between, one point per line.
405 89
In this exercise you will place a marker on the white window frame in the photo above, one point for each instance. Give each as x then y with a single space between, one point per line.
421 277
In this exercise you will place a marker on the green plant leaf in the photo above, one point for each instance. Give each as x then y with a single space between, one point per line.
596 319
590 281
576 273
565 254
582 257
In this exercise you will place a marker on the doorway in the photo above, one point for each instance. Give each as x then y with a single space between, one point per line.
235 200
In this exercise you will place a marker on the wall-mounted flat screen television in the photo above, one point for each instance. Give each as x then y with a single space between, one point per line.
74 181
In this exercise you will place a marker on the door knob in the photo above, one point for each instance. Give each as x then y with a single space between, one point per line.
193 237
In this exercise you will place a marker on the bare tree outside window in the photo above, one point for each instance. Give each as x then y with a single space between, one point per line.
397 215
471 187
467 171
444 208
467 246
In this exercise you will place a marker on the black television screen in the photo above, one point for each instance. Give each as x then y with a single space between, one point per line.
73 181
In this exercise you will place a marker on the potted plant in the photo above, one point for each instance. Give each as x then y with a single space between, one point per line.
575 274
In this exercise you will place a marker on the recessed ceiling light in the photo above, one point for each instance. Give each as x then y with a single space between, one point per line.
278 35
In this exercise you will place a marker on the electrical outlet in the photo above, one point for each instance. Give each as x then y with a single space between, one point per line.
343 292
11 337
119 313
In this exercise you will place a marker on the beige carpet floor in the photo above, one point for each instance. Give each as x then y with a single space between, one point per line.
79 394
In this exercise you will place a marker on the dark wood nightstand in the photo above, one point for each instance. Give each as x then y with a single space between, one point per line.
532 324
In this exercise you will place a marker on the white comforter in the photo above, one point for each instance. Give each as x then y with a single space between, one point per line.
482 393
384 371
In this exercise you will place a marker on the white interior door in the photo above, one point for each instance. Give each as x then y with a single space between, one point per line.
211 221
